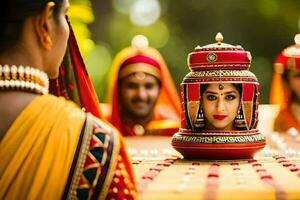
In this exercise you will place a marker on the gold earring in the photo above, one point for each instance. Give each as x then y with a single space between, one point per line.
48 42
51 3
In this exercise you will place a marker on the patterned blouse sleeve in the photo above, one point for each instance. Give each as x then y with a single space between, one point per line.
106 170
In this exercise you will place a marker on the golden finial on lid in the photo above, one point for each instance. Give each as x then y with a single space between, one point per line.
197 48
297 39
219 38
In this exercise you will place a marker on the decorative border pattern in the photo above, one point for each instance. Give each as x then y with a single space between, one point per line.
217 132
219 139
185 104
95 162
221 73
80 160
198 66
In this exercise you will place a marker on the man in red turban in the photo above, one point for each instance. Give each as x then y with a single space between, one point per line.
285 87
143 97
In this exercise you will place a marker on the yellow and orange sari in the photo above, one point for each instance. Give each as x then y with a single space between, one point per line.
53 150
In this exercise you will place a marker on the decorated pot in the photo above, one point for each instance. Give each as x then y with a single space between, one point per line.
201 136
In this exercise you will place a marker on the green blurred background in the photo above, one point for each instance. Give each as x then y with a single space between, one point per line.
175 27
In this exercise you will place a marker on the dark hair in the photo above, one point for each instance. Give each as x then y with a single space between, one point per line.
12 16
237 86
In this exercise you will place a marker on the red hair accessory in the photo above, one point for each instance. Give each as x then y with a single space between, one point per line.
139 63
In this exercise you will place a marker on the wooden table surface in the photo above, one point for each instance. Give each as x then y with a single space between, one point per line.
161 173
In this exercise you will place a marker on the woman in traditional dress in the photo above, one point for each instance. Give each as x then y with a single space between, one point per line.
49 147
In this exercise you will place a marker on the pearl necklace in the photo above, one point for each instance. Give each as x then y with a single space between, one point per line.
23 78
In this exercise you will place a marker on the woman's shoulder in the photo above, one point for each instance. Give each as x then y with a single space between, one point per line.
61 100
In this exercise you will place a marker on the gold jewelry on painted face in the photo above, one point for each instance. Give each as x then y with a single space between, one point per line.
23 78
221 86
239 120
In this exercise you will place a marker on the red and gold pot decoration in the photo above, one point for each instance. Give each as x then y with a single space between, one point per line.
219 63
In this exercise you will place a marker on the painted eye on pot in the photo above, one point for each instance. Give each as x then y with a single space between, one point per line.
211 97
230 97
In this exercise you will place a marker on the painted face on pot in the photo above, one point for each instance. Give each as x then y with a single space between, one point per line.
220 105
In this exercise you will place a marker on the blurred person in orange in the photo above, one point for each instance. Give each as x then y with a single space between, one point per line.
285 87
143 97
44 138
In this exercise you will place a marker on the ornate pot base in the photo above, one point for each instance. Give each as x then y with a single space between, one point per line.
208 145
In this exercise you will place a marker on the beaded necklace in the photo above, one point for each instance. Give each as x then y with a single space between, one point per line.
23 78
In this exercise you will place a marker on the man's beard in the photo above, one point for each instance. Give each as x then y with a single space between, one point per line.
141 114
138 116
